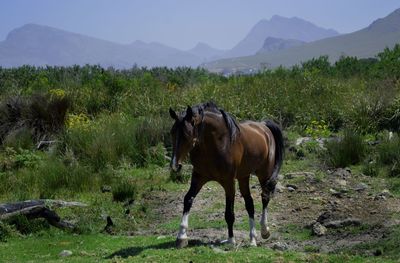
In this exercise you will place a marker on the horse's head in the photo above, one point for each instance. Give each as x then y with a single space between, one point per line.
184 134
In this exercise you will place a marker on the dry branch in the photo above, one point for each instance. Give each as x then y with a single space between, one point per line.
39 208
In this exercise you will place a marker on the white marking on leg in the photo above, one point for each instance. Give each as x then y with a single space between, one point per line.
253 232
183 226
264 222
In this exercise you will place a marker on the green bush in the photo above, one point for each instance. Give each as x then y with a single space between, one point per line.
123 190
349 149
371 169
6 231
113 139
27 226
388 152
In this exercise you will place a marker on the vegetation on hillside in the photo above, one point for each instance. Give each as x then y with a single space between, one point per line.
68 131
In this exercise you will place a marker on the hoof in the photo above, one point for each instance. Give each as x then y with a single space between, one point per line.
181 243
229 241
253 243
265 234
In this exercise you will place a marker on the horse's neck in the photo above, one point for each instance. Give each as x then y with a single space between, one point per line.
214 133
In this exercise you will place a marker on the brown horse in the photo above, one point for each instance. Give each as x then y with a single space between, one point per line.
223 150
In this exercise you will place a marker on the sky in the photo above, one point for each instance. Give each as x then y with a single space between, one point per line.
184 23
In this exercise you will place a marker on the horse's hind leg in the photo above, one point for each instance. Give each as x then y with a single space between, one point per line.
248 200
268 187
195 186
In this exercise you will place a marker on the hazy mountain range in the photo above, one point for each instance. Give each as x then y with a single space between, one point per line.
274 42
278 27
42 45
364 43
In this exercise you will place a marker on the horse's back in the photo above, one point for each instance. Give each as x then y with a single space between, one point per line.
256 139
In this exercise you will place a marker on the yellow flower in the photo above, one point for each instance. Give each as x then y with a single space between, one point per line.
58 93
79 121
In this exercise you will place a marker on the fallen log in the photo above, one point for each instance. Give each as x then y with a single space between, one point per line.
41 208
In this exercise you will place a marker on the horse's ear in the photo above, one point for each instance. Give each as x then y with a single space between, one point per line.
172 113
189 113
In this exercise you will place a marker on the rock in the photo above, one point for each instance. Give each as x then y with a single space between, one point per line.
218 250
383 195
302 140
341 182
318 229
360 187
280 177
280 246
279 187
342 223
386 193
342 172
325 217
298 174
65 253
321 142
336 193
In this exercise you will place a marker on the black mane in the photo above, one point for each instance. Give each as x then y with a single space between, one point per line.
230 121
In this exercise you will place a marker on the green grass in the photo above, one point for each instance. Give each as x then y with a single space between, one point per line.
388 245
98 247
296 232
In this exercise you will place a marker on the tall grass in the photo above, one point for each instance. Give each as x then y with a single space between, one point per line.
116 138
40 115
388 155
349 149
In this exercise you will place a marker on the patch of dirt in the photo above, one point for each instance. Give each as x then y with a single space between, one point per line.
292 212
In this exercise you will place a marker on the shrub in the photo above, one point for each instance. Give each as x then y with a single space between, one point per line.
109 140
389 155
15 159
350 149
123 190
317 129
5 231
370 169
40 115
26 226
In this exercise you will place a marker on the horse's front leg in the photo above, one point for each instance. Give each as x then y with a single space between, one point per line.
229 209
195 186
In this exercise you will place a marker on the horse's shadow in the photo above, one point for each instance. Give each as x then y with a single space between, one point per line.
136 250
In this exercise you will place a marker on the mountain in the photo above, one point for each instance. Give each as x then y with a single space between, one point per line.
205 52
364 43
42 45
278 27
272 44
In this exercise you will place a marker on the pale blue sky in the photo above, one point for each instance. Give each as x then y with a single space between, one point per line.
183 23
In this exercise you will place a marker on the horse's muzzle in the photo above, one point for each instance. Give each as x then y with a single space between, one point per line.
175 165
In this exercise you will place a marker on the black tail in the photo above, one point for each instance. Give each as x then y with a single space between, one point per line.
279 152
